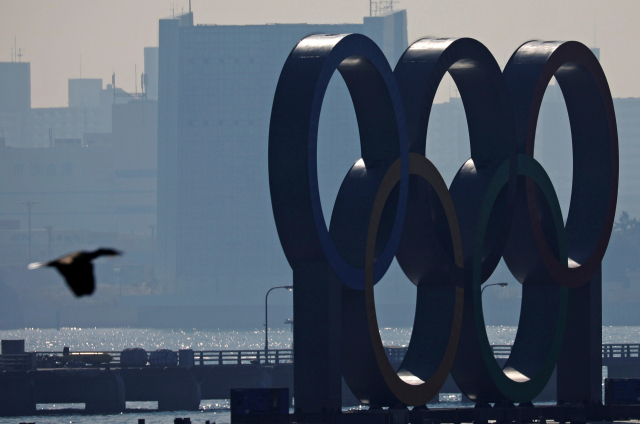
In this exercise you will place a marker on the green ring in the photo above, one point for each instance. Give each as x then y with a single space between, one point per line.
510 389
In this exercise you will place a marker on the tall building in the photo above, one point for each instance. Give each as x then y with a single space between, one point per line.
85 92
106 186
628 120
89 112
15 101
216 235
151 72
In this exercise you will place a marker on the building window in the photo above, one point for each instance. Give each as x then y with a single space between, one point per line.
67 169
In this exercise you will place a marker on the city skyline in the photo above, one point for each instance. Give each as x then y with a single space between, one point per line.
110 36
181 183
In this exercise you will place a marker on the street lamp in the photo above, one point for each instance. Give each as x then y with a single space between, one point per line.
493 284
266 321
29 204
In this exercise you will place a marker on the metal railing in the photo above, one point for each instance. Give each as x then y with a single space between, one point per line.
609 350
51 358
239 357
630 350
18 362
255 356
200 358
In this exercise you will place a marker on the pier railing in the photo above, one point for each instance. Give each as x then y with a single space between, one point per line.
18 362
238 357
621 350
257 356
609 350
200 358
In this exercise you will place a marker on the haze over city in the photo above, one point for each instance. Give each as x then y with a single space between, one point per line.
109 35
170 165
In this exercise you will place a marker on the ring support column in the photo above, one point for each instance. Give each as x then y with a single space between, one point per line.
317 379
580 363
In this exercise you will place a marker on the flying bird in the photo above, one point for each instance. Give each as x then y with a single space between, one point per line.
77 269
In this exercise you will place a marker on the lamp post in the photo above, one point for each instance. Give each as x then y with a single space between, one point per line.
493 284
29 204
49 228
266 321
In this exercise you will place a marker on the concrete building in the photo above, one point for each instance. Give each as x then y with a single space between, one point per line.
628 119
448 137
216 235
105 187
15 101
89 112
151 72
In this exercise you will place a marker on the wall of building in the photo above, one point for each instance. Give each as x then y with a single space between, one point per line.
151 72
84 92
15 101
628 120
15 86
215 227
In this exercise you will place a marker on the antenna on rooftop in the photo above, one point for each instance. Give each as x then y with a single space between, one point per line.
80 66
16 53
189 6
381 7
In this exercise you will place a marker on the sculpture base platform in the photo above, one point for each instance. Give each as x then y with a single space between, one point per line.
563 414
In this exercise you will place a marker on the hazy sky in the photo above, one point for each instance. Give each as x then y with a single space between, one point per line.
110 34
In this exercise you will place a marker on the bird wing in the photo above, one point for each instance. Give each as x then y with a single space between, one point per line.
36 265
104 251
70 258
66 259
79 277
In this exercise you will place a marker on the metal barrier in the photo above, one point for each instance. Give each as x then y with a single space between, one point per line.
501 351
18 362
621 350
238 357
201 358
259 356
613 350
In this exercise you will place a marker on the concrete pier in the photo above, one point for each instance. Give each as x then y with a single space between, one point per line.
175 388
101 391
17 393
217 382
212 376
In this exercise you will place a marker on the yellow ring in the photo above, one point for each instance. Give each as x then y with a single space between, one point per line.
408 388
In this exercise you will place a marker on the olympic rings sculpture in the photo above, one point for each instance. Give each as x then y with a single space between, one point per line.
394 203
